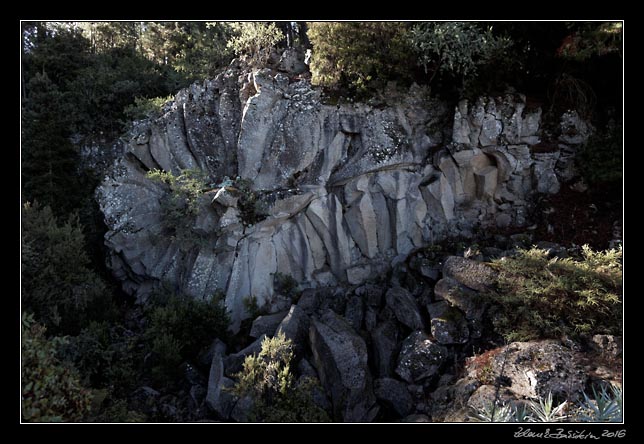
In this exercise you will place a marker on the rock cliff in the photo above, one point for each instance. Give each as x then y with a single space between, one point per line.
348 188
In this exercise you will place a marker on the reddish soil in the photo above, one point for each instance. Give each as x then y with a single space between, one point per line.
579 218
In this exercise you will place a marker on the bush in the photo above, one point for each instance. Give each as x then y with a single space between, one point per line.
539 297
254 39
180 206
285 285
179 327
166 350
51 392
118 411
267 378
252 209
143 108
105 356
456 48
600 160
57 284
359 55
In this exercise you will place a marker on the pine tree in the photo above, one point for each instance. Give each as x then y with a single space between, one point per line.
48 158
57 284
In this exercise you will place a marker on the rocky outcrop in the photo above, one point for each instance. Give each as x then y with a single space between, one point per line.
346 188
340 357
524 371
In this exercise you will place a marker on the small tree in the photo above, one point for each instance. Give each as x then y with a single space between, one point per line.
57 284
254 39
359 55
456 48
180 326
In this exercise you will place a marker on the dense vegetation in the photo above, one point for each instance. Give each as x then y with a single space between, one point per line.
86 347
542 297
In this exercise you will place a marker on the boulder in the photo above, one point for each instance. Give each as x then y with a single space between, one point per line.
608 345
448 324
461 297
242 410
404 306
372 294
420 357
418 417
305 369
340 357
235 362
394 394
295 327
218 398
475 275
384 344
354 312
529 370
266 324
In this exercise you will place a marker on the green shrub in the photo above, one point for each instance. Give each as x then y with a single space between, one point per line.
285 285
591 39
267 378
143 107
58 285
252 209
167 356
252 307
118 411
51 392
539 297
179 327
600 160
106 356
254 39
456 48
180 206
359 55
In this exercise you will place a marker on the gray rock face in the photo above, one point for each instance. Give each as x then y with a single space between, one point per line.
420 357
353 186
340 357
394 394
404 306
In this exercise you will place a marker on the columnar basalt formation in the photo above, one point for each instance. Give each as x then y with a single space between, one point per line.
349 188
